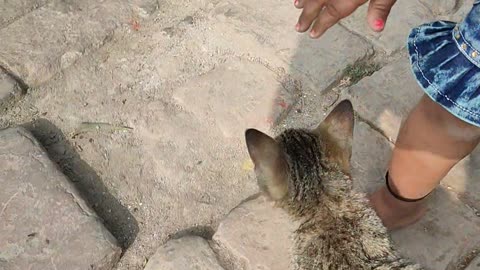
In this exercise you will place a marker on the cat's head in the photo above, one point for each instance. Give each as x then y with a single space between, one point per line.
297 161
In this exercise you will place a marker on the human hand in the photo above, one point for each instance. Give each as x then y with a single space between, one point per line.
320 15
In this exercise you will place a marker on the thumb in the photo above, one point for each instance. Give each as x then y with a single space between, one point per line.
378 11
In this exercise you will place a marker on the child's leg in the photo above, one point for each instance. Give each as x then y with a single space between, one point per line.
430 142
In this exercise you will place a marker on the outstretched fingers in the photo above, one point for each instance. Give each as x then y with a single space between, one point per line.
311 10
323 14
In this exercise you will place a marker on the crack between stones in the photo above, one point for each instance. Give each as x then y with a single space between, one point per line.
336 87
462 197
206 232
366 60
225 258
25 14
84 209
358 35
373 127
23 86
464 261
5 205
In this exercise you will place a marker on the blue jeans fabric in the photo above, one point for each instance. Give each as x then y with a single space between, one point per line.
445 59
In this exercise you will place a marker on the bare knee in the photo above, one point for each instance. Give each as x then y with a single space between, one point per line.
454 127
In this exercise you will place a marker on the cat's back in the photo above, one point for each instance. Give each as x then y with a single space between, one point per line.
346 234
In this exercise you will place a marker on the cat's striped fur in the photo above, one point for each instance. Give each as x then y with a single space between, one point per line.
308 174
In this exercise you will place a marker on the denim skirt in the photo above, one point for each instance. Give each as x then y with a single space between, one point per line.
445 59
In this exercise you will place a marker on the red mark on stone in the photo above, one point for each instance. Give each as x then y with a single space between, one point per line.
269 120
135 24
282 104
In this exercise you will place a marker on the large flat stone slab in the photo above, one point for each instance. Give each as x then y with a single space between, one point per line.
56 35
463 179
44 223
448 231
186 253
230 105
255 235
12 10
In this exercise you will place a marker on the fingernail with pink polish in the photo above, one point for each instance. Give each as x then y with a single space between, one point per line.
297 27
378 24
295 2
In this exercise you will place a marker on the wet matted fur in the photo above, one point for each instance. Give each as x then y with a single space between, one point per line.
307 172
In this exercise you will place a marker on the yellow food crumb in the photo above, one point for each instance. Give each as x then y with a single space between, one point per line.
248 165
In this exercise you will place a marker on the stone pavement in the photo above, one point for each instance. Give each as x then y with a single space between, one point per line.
142 104
44 222
190 252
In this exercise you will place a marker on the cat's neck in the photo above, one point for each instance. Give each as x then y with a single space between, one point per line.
335 203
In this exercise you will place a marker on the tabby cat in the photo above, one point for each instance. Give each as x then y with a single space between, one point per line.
307 173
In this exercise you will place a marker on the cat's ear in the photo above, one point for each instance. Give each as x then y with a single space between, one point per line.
336 135
270 163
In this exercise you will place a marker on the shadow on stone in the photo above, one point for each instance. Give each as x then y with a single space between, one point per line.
205 232
116 217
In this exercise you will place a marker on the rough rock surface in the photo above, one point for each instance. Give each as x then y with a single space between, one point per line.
57 34
12 10
44 223
186 253
255 235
